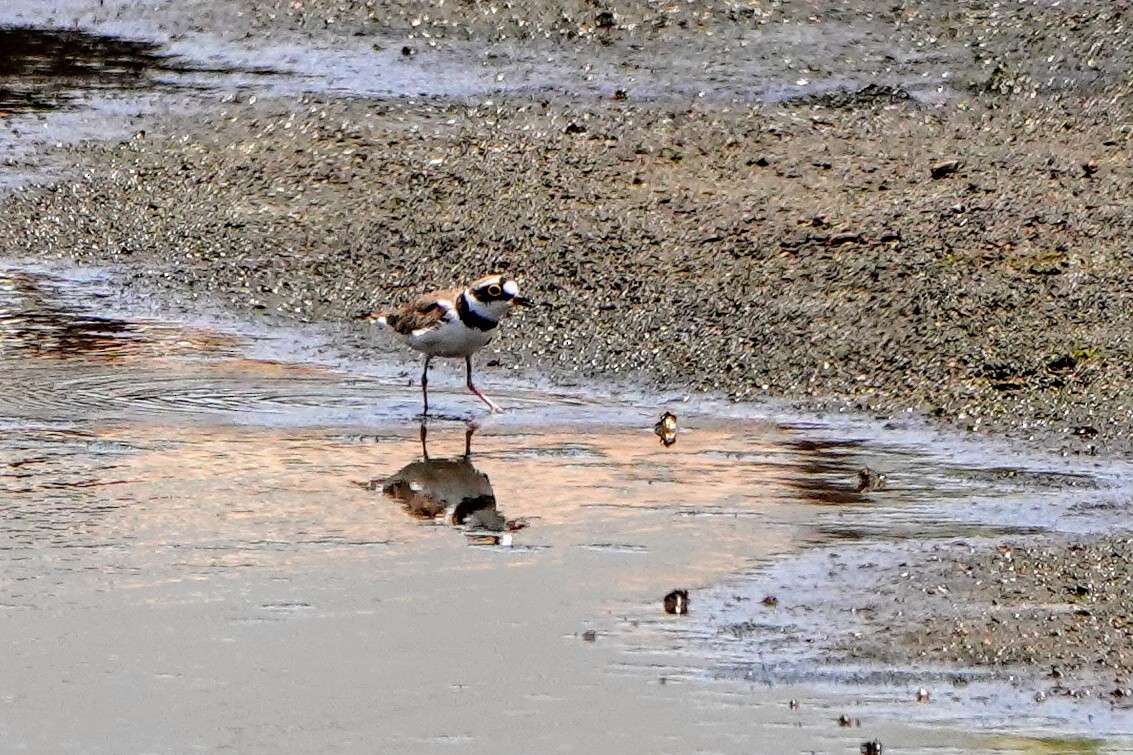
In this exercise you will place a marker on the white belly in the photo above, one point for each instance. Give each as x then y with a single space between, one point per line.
450 339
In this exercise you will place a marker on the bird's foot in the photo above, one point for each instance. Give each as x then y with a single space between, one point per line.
496 408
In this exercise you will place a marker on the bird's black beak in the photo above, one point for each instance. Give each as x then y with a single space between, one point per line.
521 301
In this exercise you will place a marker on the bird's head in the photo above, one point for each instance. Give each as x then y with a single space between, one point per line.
497 294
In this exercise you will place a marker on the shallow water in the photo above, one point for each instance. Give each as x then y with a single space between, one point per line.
72 70
199 552
743 61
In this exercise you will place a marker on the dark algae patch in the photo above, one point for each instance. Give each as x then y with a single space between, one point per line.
44 69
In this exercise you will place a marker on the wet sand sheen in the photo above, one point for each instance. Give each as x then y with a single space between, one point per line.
224 573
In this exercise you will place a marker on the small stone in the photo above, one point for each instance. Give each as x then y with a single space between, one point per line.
840 239
590 635
945 168
676 602
870 480
666 429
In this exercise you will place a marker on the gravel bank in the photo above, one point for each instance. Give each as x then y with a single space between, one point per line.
1054 611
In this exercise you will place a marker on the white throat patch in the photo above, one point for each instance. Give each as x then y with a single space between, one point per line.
479 307
489 310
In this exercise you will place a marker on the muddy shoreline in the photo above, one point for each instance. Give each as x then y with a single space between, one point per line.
1054 608
798 253
1047 614
957 250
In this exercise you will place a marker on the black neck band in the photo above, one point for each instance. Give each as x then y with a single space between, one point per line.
469 317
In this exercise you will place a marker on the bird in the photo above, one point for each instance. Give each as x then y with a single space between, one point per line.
454 323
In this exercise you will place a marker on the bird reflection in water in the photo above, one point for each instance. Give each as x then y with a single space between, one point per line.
451 490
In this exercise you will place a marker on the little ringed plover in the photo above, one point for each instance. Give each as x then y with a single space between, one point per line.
452 323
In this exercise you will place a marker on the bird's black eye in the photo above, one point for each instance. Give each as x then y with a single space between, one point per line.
494 290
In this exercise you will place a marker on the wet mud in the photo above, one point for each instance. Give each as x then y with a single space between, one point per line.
1069 590
653 243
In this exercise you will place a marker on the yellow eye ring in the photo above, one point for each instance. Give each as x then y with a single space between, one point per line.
494 290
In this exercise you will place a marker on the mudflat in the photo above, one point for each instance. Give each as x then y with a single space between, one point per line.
881 209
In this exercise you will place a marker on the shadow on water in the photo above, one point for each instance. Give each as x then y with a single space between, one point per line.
37 320
49 69
42 69
35 323
827 473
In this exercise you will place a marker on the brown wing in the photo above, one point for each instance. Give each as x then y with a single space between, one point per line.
423 312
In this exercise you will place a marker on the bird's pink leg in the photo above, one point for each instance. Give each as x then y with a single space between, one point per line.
494 406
